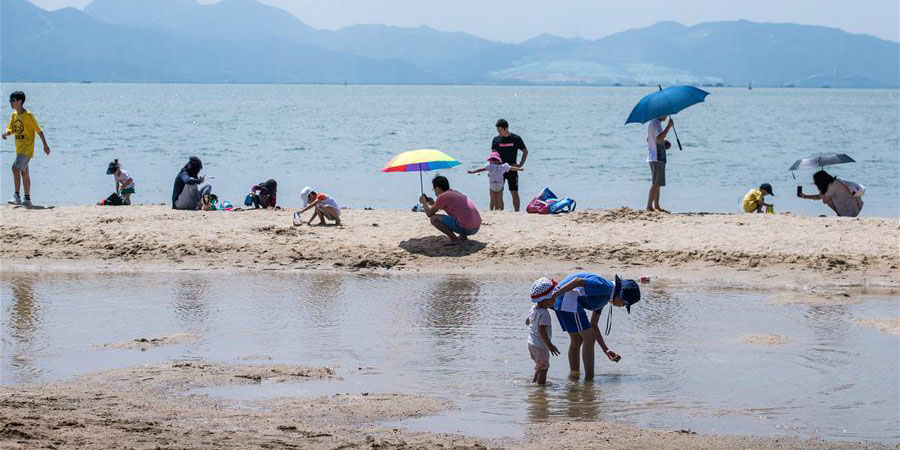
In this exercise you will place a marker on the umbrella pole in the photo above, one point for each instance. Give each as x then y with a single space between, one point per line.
421 183
673 127
676 139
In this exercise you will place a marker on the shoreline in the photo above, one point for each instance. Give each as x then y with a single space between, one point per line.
784 250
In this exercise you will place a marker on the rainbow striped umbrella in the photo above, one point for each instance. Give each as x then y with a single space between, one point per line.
420 161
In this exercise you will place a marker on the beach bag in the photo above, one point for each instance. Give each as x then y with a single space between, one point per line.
114 199
565 205
547 194
538 206
248 200
856 189
225 206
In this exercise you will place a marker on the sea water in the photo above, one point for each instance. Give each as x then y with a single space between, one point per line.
686 359
337 138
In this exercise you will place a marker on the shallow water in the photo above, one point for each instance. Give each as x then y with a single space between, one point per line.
337 138
685 362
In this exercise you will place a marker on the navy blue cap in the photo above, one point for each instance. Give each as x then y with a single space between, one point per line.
768 188
628 291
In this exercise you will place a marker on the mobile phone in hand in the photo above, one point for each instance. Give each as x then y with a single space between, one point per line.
799 191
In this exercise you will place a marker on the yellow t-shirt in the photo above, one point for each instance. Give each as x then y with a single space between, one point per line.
23 127
752 199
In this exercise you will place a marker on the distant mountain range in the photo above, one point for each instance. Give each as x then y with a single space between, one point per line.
245 41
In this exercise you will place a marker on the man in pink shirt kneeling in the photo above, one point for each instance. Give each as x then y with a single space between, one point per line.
462 218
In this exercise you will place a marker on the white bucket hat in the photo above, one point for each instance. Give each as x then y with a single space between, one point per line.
304 195
542 289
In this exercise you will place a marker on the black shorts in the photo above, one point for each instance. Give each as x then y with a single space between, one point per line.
512 180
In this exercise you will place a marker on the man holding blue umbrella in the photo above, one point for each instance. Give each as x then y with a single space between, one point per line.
656 157
654 108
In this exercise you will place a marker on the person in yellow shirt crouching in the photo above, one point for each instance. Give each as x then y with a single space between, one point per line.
23 126
753 201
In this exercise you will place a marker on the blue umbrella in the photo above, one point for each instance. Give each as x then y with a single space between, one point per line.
666 102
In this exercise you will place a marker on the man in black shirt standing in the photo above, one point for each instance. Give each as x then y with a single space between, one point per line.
508 145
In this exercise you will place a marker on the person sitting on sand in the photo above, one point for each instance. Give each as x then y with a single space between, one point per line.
325 206
844 197
186 193
539 345
587 291
264 194
496 169
753 201
124 182
462 219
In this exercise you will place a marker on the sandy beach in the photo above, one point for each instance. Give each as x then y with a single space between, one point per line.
737 248
147 407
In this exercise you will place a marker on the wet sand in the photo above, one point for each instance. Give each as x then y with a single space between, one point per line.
147 408
786 250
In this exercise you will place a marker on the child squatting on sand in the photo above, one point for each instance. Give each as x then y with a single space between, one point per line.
753 201
539 345
325 206
496 169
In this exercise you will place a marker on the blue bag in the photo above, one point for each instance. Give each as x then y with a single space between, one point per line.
565 205
248 200
547 194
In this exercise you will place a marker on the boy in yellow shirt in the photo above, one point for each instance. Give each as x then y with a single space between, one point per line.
23 126
753 201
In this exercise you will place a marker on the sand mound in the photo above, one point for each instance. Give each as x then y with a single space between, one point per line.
889 325
765 339
145 344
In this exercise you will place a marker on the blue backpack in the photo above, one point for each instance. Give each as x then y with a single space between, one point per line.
565 205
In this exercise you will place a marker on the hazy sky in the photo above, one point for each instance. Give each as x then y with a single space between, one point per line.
517 20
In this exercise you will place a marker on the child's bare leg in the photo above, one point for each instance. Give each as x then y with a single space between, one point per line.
331 214
500 200
17 177
587 353
574 353
534 379
493 200
127 199
541 376
26 182
317 214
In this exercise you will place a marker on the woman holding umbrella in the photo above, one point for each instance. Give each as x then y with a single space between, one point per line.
844 197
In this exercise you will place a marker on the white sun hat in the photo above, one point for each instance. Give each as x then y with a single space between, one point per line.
304 195
542 289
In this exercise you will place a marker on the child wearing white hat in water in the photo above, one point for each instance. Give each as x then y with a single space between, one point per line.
326 207
539 345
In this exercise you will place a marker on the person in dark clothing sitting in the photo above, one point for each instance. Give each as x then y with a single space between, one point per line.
264 194
186 192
